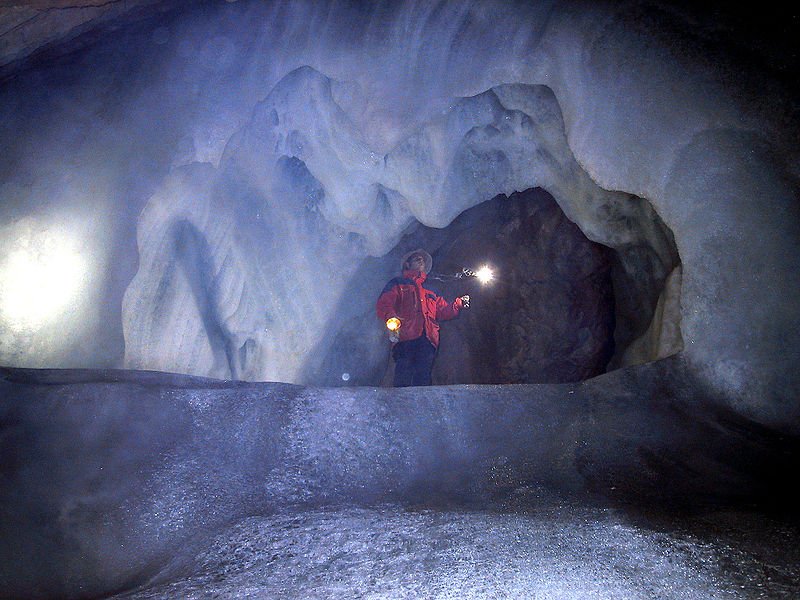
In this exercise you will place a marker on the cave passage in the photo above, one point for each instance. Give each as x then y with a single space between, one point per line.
550 315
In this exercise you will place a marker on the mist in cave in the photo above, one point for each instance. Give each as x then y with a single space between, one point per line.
200 203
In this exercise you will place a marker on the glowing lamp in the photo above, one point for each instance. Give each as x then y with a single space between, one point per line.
484 275
393 324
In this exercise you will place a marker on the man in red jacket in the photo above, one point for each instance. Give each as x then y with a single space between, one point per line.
413 314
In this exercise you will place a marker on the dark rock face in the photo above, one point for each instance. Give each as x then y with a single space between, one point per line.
548 316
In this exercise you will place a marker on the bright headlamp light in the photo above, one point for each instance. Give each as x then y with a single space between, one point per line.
484 274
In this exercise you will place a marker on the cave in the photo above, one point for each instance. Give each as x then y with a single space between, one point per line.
548 313
200 203
561 308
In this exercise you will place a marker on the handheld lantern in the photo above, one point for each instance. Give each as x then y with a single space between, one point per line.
393 324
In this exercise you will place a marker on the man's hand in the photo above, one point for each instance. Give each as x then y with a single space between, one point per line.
464 301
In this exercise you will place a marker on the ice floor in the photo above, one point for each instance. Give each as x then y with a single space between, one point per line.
162 486
557 551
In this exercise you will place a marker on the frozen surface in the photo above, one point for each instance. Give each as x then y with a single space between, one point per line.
112 478
216 173
209 180
234 261
555 550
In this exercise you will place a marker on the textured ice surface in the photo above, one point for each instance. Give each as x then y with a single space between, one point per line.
247 270
414 113
555 551
110 476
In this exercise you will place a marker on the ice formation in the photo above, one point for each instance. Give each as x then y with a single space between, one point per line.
254 155
215 188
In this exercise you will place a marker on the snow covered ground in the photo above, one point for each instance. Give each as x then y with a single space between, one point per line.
559 550
628 485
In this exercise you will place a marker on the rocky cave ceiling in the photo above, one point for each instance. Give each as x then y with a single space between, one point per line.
205 187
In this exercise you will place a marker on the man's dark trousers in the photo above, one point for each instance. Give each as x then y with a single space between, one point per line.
413 362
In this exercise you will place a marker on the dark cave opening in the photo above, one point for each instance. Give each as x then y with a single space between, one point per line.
562 308
548 317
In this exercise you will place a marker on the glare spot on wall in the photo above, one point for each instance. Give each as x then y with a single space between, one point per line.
39 282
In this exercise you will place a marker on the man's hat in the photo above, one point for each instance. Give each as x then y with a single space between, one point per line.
428 259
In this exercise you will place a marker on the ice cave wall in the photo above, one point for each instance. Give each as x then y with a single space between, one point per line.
220 171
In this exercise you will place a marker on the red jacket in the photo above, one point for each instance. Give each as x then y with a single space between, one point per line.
418 309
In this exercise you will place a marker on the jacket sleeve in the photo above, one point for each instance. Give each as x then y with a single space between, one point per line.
385 306
447 310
